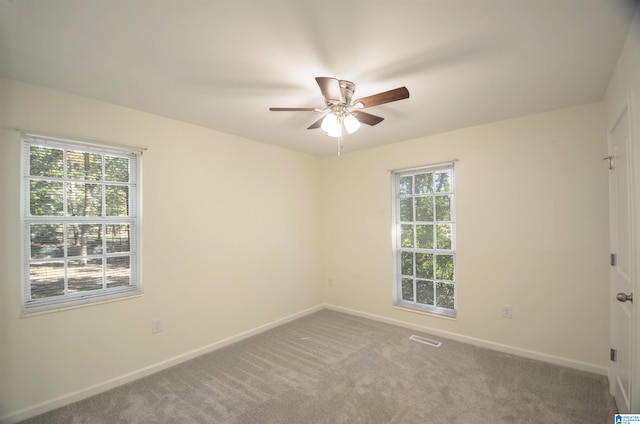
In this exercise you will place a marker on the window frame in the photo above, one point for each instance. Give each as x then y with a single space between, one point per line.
133 220
397 249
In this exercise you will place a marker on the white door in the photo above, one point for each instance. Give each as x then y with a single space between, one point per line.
622 269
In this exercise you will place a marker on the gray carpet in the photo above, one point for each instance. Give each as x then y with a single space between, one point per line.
330 367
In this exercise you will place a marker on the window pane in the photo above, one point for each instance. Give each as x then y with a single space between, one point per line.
424 183
46 162
117 199
407 289
424 208
84 199
443 181
424 265
84 239
445 294
407 235
425 225
47 279
46 241
424 292
118 271
46 198
406 209
406 259
424 236
84 166
84 275
406 185
78 240
444 236
444 267
443 208
116 169
118 238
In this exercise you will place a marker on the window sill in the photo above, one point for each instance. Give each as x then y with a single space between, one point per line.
78 306
421 312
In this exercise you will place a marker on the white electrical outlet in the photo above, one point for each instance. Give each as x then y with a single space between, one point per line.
330 282
507 311
156 325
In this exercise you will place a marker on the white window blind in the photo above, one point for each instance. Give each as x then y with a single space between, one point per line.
81 223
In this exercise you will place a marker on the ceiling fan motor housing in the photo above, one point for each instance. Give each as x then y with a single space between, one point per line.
347 88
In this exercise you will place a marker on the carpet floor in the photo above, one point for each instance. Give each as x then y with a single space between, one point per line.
330 367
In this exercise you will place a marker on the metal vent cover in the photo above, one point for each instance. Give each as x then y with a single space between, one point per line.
426 341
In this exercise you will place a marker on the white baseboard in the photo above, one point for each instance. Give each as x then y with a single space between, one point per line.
557 360
78 395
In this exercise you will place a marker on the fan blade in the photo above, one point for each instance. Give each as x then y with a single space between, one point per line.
316 124
367 118
384 97
330 88
292 109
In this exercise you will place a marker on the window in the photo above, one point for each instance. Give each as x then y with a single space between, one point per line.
424 239
81 223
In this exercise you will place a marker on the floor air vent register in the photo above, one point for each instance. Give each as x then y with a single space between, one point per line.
426 341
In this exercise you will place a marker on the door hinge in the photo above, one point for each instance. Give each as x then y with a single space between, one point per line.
612 355
613 259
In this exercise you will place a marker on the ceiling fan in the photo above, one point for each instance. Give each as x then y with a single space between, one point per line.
343 110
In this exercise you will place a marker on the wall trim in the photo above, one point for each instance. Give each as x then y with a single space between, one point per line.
95 389
530 354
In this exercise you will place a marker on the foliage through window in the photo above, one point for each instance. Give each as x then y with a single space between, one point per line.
81 223
424 239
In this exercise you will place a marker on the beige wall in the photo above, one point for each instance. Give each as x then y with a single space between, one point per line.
257 237
231 242
532 232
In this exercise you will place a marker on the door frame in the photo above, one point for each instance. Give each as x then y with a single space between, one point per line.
634 165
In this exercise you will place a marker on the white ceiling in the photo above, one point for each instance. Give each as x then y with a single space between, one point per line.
222 64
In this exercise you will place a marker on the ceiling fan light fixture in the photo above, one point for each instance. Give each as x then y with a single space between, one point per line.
336 131
351 123
330 122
